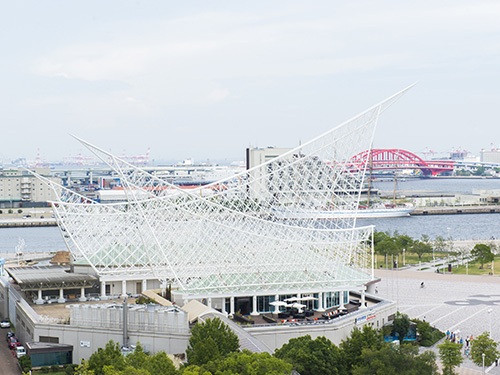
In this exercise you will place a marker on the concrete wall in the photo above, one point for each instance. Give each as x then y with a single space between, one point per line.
4 297
86 340
132 286
336 330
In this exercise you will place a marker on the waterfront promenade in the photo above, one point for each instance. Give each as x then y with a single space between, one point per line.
465 304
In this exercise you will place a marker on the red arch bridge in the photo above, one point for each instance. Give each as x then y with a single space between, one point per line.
391 159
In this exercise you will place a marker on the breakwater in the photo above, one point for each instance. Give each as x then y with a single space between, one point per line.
453 210
15 223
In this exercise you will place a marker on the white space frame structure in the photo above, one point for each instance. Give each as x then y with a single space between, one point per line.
233 238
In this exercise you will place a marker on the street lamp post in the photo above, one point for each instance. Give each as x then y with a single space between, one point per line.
404 259
483 363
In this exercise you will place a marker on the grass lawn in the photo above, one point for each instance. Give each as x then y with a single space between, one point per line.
474 268
409 259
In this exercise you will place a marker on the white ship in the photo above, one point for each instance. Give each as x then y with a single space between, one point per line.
362 213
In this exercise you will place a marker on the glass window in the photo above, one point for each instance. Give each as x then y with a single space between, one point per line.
283 298
263 304
313 304
332 299
49 359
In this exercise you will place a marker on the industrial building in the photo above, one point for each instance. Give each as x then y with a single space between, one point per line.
19 188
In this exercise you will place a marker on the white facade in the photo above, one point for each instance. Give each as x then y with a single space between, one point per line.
490 156
17 185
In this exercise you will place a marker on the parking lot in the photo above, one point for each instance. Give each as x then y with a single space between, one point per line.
8 361
467 305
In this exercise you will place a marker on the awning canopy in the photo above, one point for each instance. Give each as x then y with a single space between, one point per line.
49 278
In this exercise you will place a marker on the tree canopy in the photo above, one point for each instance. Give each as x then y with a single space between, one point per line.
420 248
398 360
484 344
310 357
110 355
210 341
242 363
353 346
482 253
401 325
110 361
450 356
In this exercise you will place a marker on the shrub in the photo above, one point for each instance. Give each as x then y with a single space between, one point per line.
54 368
144 300
70 369
10 211
428 335
45 369
19 211
25 363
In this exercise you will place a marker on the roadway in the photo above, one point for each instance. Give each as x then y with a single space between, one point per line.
8 362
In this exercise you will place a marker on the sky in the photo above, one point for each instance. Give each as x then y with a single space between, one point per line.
206 79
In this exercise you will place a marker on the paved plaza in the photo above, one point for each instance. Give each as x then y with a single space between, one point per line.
468 305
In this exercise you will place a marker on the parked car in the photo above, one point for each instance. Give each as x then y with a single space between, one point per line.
14 342
5 324
20 351
9 335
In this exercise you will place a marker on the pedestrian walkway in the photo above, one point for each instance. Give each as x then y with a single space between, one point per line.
465 304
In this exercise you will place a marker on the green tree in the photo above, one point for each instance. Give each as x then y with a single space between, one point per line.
482 253
223 341
204 352
484 344
404 241
128 370
352 347
420 248
399 360
83 369
137 358
109 356
378 239
450 356
242 363
480 171
310 357
401 325
429 335
160 364
389 247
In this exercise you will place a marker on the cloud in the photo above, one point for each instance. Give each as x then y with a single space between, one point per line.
213 46
287 64
218 95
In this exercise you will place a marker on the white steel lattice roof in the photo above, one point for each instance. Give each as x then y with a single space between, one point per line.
237 235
